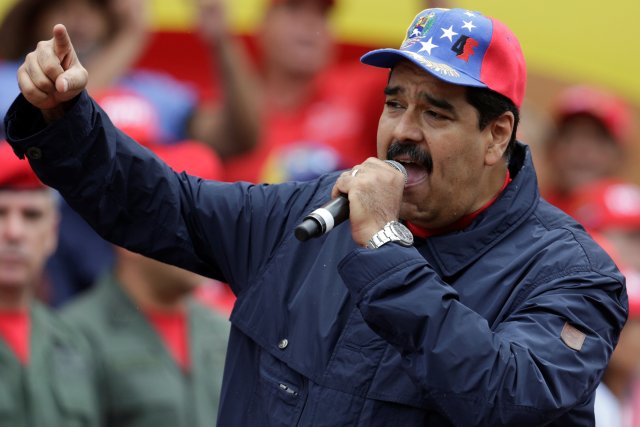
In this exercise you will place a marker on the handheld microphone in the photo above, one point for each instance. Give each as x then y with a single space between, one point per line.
326 217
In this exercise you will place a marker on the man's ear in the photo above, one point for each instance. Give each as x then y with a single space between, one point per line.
499 134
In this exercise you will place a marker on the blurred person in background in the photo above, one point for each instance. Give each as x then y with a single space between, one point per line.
230 125
318 115
611 208
46 376
588 142
160 352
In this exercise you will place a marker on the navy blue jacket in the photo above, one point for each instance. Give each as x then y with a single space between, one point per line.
461 329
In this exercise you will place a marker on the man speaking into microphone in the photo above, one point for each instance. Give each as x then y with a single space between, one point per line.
457 298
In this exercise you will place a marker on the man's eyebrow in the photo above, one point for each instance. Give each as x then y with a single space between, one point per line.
392 90
440 103
437 102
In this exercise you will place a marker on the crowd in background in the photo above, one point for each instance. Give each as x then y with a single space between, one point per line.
96 335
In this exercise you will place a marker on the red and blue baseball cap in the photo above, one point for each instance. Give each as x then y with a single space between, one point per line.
463 48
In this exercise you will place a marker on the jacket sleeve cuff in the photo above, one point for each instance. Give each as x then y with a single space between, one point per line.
24 125
364 268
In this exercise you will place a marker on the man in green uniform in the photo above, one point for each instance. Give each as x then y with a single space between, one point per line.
161 353
45 376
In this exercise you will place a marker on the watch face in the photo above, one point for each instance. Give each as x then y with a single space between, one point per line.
402 232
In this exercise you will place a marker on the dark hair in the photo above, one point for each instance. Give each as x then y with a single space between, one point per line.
491 105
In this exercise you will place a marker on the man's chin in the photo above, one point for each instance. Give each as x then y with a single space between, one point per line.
410 212
12 280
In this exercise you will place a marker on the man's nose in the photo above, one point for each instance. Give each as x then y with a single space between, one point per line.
408 127
12 227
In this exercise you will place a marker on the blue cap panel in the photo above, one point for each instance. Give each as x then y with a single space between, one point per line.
448 43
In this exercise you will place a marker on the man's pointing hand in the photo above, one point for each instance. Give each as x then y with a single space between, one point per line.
52 75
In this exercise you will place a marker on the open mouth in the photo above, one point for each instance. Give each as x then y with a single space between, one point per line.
416 173
416 161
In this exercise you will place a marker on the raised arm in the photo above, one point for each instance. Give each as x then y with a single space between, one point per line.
231 126
113 60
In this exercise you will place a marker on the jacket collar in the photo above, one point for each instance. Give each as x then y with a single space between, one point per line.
451 253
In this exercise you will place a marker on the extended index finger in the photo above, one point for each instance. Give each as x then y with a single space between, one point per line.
62 46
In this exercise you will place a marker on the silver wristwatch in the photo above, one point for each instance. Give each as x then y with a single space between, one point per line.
393 231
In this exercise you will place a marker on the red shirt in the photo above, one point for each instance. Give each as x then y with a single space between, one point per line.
334 130
15 330
216 295
174 331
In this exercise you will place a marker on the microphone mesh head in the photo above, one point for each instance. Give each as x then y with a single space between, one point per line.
399 167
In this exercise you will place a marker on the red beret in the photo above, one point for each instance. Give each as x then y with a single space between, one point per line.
16 173
603 106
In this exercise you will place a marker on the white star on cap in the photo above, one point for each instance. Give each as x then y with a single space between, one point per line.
469 14
468 25
428 45
448 33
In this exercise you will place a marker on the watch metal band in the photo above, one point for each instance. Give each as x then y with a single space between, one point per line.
388 234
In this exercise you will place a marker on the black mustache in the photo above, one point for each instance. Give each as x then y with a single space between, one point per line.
415 153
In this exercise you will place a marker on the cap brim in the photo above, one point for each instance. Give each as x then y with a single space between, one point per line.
388 58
